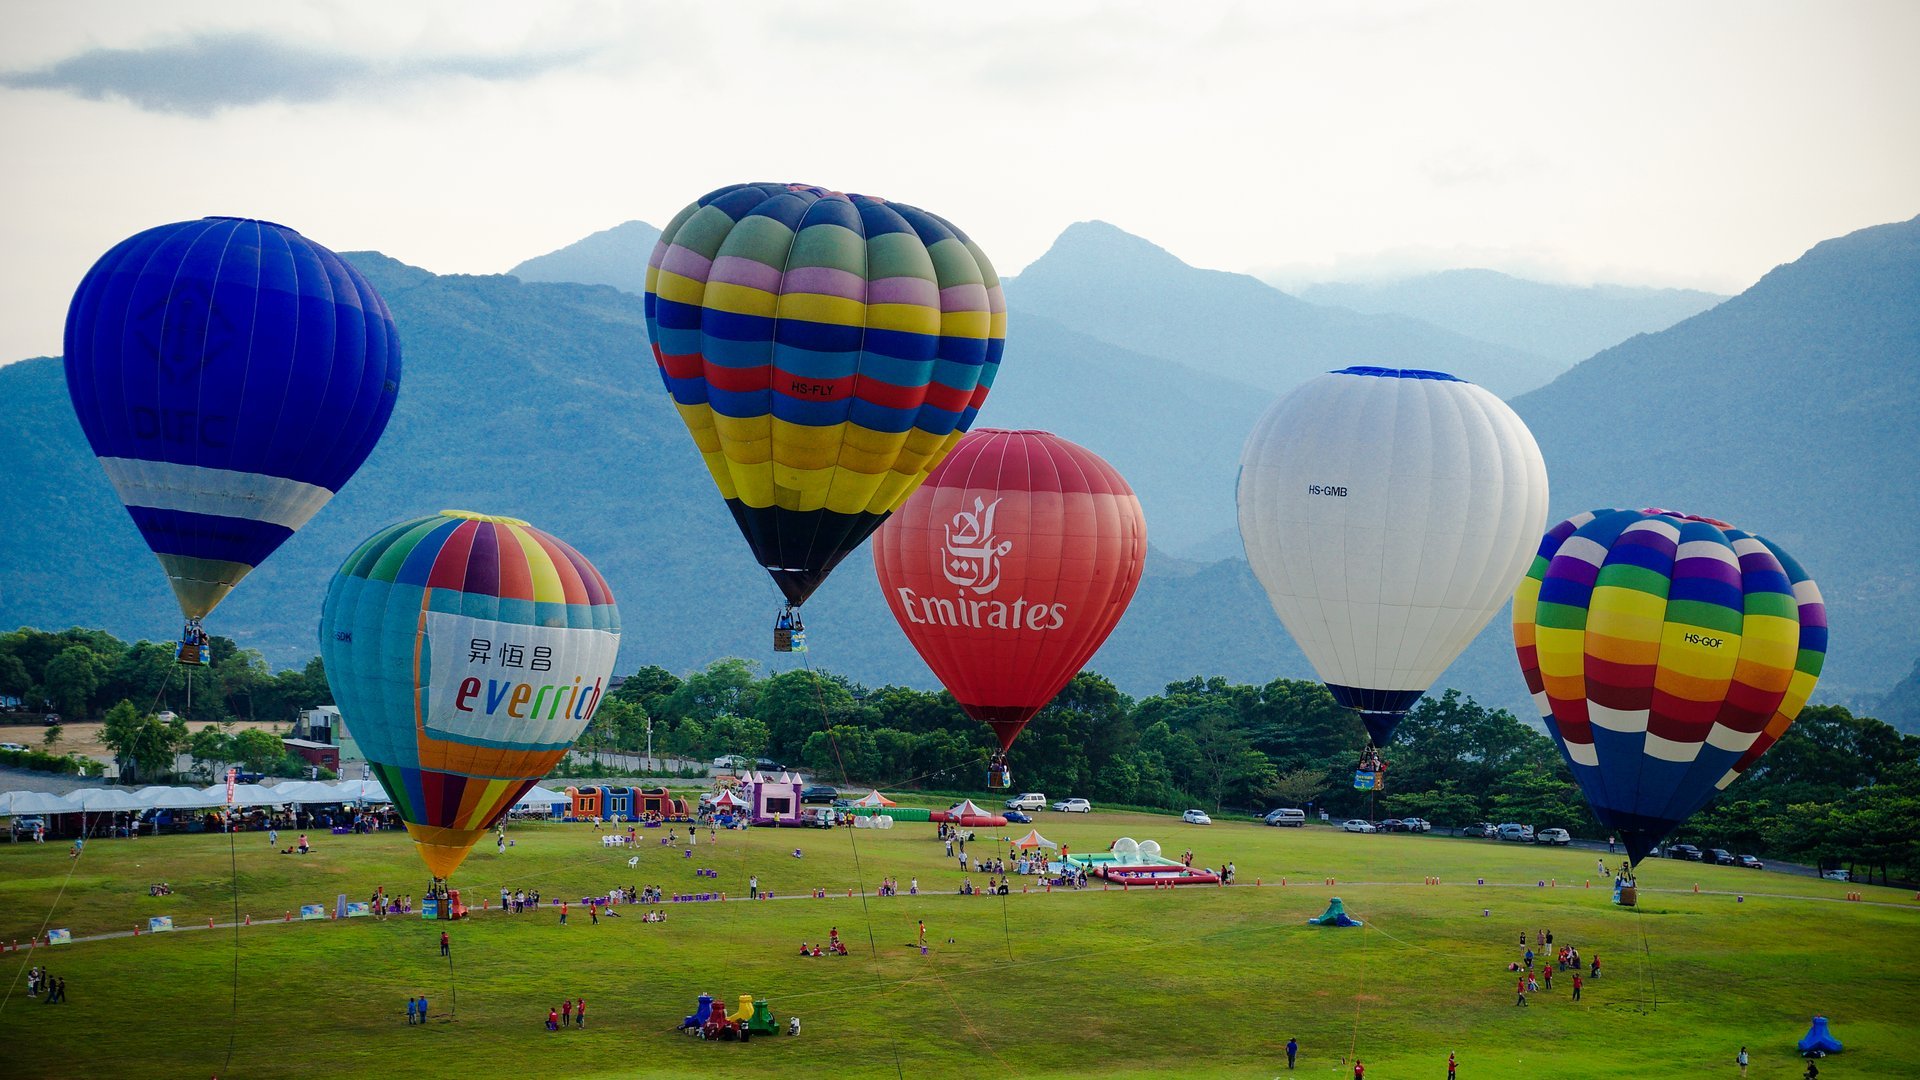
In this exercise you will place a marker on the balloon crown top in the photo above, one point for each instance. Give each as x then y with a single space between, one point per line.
469 515
834 193
1397 373
1677 515
251 220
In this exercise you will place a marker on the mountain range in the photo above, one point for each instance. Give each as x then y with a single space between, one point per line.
1782 409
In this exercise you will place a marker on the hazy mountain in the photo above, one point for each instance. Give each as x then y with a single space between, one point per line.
541 401
1561 322
1114 286
1787 410
616 257
1901 706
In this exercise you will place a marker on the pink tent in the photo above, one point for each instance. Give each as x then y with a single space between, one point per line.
727 801
968 809
874 798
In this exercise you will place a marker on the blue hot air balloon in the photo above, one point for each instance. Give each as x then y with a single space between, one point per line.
231 375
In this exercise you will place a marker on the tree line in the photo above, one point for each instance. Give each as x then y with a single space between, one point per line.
1836 789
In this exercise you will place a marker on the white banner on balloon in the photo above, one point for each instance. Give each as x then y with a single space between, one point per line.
508 684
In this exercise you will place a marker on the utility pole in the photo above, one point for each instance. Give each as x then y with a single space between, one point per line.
649 742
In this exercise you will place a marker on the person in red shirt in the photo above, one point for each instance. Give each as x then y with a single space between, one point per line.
1452 1065
1520 991
563 913
1576 986
553 1020
580 1013
1359 1070
1548 972
566 1011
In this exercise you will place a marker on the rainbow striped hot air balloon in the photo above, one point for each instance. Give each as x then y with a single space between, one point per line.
826 351
467 653
1666 653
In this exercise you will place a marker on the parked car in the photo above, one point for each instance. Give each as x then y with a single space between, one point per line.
1480 830
1032 800
1722 857
1683 851
1196 817
1752 862
1392 824
1018 816
1415 824
1357 825
1837 875
819 793
1553 836
1287 816
11 746
1074 806
1519 834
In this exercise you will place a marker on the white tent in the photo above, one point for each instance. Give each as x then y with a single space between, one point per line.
543 797
244 795
179 798
100 800
306 791
968 809
360 791
17 803
726 800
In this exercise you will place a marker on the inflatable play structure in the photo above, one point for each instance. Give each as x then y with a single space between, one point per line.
755 1016
1335 915
969 815
1819 1041
1131 862
625 804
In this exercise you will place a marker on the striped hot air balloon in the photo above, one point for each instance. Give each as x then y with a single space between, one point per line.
1666 652
466 654
826 351
231 375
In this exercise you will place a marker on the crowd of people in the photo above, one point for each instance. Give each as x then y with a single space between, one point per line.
833 945
38 980
569 1013
1566 958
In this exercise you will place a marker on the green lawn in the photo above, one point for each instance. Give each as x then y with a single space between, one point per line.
1190 982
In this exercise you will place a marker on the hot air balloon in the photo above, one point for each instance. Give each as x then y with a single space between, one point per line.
1666 652
1008 568
1388 513
231 375
825 351
467 653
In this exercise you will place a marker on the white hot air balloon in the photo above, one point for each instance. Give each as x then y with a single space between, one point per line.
1389 513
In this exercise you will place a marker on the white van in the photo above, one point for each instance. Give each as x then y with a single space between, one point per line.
1288 817
1032 800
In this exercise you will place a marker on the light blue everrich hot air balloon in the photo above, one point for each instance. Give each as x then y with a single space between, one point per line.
231 375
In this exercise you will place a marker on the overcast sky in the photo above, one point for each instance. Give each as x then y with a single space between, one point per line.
1665 143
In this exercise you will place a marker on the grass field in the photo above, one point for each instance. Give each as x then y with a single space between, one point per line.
1191 982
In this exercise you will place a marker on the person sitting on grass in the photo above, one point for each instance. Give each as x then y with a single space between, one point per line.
553 1019
1595 973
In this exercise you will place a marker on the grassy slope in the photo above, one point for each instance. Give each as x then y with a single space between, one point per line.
1193 982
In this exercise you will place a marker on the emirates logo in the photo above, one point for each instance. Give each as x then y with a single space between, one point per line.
972 553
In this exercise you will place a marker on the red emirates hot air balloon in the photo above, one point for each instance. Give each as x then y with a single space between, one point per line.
1008 568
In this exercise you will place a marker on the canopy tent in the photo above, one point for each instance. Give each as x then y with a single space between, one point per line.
874 798
968 808
360 791
244 795
543 797
1033 839
306 791
179 798
17 803
727 800
100 800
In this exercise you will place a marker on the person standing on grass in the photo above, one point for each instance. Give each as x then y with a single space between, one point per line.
1359 1070
580 1013
1576 986
423 1008
1520 991
413 1007
923 935
273 837
1452 1067
566 1012
1528 956
1547 970
1293 1051
446 945
563 913
1741 1061
753 887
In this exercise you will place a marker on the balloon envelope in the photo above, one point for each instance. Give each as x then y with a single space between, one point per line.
466 654
230 375
1009 567
826 351
1662 649
1389 513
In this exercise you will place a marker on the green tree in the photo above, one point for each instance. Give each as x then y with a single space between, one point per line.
142 744
71 679
259 751
51 738
14 680
1298 787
